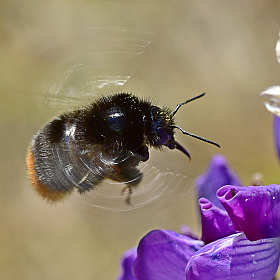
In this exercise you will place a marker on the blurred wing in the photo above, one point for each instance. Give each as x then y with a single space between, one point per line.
85 166
93 62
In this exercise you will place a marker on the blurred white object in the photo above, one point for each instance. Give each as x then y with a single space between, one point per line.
272 99
277 49
272 94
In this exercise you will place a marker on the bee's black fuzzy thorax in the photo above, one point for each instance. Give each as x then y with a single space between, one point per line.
120 121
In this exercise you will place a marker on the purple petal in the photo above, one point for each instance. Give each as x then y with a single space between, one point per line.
217 175
163 255
215 222
255 210
235 258
276 126
185 230
126 263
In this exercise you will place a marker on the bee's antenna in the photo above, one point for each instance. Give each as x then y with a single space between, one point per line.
196 136
183 103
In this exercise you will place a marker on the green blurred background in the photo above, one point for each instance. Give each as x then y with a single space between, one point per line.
172 50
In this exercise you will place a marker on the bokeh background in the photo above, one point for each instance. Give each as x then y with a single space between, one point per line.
55 54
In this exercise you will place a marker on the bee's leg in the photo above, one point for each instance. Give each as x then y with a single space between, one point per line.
132 177
128 198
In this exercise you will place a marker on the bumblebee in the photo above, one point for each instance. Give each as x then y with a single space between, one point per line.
107 139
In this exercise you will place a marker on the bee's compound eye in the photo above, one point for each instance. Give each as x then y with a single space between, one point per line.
164 137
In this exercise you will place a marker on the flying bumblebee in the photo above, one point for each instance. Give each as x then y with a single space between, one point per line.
107 139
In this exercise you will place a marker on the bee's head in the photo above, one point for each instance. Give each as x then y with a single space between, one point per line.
162 128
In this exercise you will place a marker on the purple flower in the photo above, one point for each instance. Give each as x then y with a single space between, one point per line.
242 241
126 263
163 254
254 210
235 257
217 175
215 222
